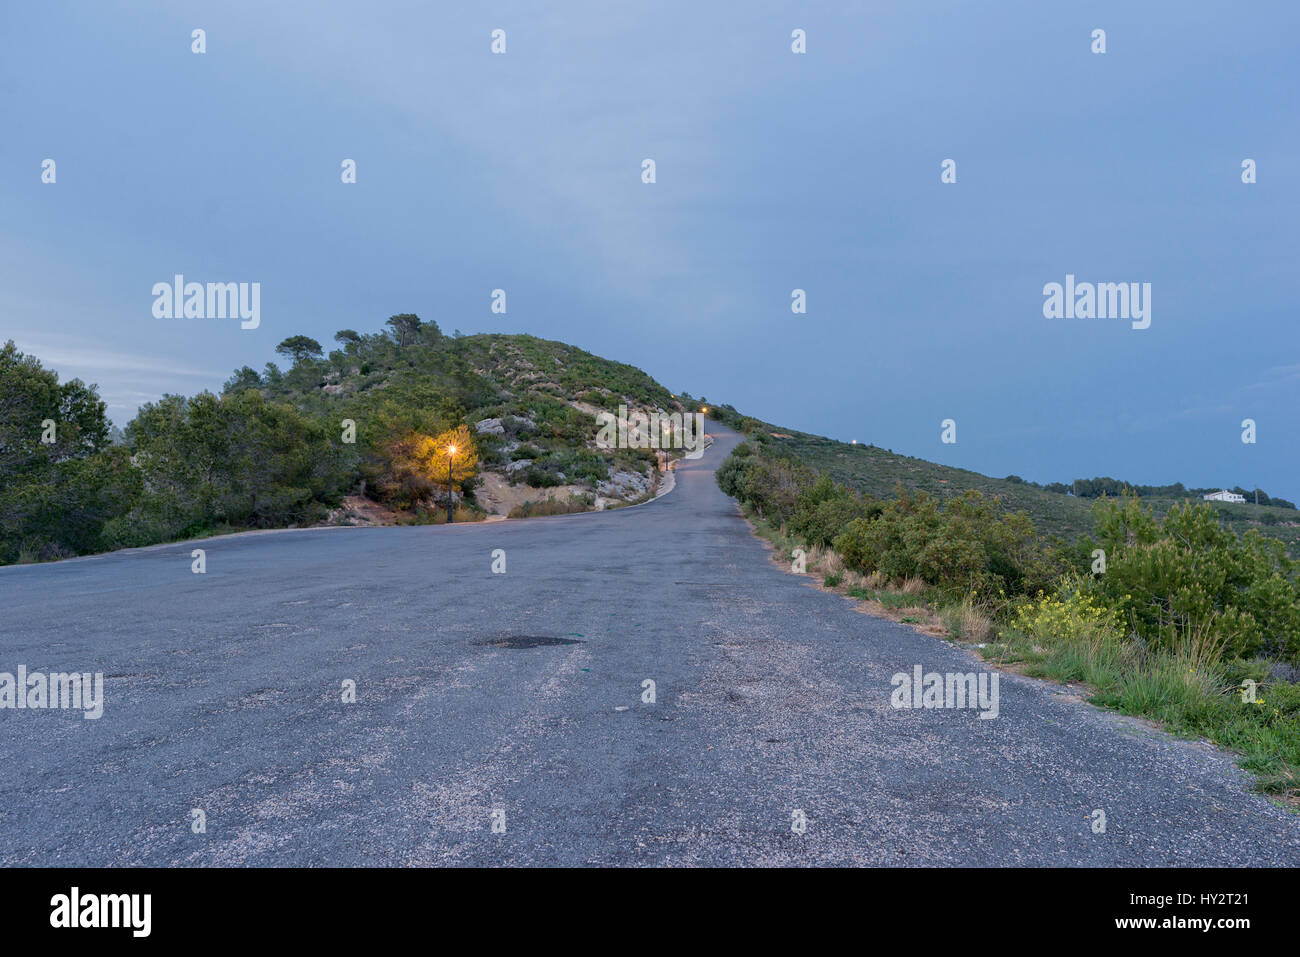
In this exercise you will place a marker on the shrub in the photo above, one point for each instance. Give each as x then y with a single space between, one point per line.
1166 576
825 509
539 477
967 544
772 487
732 473
1065 616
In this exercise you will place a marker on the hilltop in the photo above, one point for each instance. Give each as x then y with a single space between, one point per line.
529 404
355 436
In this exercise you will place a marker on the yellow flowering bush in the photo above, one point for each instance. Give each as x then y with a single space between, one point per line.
1067 614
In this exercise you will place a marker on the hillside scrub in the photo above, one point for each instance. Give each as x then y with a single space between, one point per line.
874 471
967 545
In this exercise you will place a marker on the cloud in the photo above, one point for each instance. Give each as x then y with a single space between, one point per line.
77 357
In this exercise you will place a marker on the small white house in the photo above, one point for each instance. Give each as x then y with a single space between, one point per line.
1224 496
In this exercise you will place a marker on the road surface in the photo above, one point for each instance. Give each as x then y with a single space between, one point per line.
223 694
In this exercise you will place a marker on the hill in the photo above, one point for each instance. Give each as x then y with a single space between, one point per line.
531 405
358 436
876 472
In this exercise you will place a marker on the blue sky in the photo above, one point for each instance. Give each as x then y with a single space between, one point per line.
775 171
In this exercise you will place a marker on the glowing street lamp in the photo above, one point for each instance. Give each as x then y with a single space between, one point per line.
451 452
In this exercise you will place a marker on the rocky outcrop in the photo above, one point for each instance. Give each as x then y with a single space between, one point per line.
625 485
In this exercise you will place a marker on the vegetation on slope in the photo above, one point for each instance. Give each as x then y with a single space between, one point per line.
876 472
371 421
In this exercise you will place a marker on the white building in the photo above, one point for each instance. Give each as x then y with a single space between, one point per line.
1224 496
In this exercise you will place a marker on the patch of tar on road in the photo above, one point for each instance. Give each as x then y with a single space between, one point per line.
526 641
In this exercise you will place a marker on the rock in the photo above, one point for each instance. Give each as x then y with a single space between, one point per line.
490 427
624 485
518 464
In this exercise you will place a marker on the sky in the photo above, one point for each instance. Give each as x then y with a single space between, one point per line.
775 171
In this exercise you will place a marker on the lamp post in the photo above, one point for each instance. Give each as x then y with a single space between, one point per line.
451 451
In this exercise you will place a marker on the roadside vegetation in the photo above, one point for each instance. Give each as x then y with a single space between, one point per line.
1171 616
1055 509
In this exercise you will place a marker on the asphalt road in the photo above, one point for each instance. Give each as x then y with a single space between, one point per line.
223 693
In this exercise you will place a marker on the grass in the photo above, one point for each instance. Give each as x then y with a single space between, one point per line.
966 621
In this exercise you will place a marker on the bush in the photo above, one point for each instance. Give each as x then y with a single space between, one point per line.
732 473
772 487
238 460
435 515
1065 616
967 545
825 509
1165 576
541 478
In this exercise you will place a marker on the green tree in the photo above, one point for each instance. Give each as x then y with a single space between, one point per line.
406 328
245 377
52 438
299 349
237 460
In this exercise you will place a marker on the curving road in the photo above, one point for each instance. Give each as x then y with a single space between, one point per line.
223 693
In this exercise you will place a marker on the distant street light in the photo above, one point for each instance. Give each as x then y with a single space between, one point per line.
451 451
